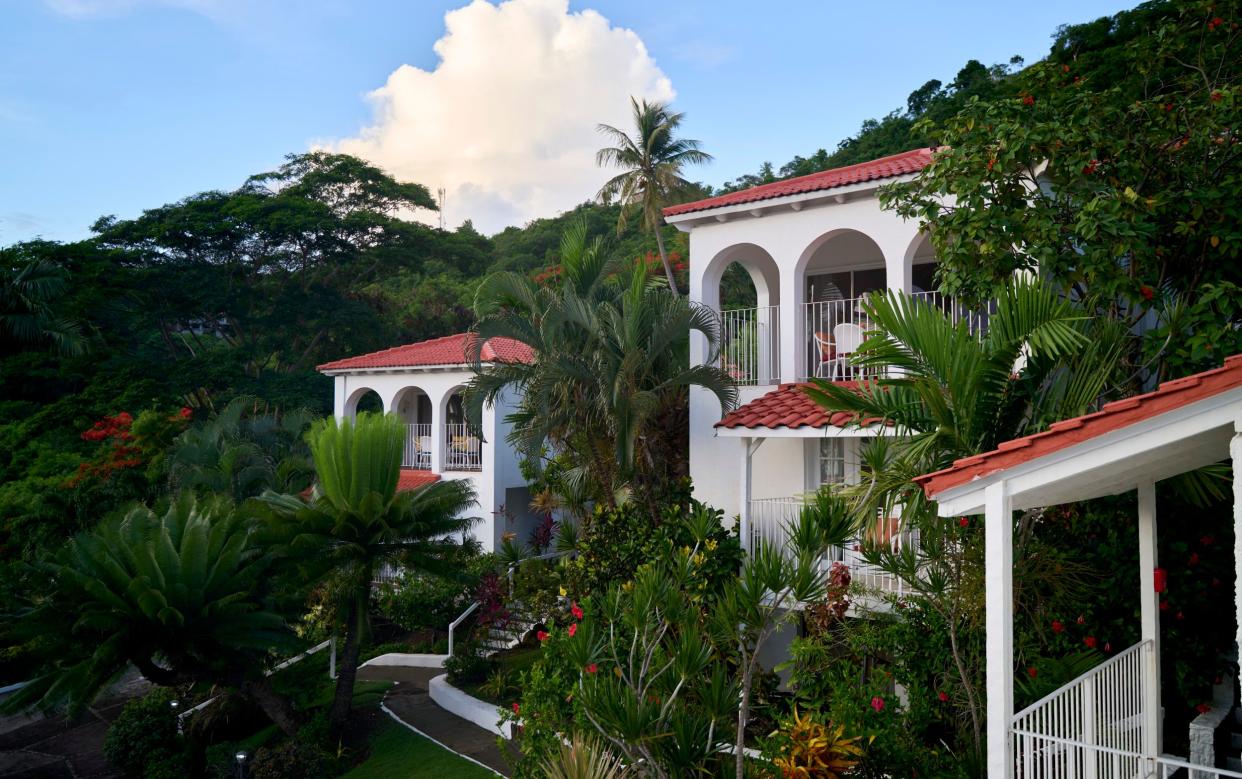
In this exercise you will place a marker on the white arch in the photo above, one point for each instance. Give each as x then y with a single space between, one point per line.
757 261
351 403
861 239
405 404
920 250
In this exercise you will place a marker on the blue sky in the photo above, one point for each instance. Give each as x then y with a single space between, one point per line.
113 106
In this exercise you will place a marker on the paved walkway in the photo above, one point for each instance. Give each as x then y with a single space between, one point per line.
409 701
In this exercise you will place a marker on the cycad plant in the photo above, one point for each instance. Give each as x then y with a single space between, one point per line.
30 291
183 596
651 160
609 382
356 521
949 392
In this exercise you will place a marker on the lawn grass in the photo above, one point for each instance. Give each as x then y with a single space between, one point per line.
396 751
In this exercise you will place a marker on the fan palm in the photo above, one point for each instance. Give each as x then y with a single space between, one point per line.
242 451
652 160
182 596
611 369
356 521
29 291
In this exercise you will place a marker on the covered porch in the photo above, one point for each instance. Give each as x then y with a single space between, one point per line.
1106 723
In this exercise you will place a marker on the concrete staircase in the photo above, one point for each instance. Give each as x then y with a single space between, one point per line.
501 637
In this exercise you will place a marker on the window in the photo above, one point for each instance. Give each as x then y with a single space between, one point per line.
831 461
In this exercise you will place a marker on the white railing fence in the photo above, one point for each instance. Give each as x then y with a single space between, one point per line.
417 452
1092 728
833 329
463 451
750 344
769 517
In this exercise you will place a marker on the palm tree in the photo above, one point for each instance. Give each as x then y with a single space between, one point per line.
183 597
950 393
243 451
652 161
356 521
611 372
29 292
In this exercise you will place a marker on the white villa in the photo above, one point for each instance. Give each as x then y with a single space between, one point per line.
813 246
423 382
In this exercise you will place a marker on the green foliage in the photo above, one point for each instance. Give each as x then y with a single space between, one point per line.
143 741
32 293
295 759
420 601
181 595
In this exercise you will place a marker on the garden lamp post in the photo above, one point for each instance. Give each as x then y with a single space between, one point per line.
241 763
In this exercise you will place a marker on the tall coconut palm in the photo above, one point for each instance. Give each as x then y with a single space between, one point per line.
356 521
29 292
183 596
651 161
611 371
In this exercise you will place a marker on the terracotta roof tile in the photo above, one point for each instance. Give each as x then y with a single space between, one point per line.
1113 416
886 167
449 350
409 479
789 407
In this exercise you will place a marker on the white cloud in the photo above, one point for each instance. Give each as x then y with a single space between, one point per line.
506 121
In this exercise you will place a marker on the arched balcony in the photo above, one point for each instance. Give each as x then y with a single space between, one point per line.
363 399
413 405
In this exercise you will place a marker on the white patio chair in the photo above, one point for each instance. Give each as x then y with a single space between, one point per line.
847 337
824 350
424 452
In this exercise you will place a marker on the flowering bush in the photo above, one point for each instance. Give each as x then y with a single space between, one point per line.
813 750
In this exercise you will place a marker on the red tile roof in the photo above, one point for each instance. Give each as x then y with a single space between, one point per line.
410 479
449 350
789 407
886 167
1113 416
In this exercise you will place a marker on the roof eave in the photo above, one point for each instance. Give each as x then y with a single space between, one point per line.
447 368
819 197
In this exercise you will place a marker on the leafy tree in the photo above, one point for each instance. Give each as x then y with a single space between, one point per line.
182 596
651 160
1123 188
32 290
356 521
611 371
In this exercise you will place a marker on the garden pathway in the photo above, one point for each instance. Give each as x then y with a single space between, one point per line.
409 701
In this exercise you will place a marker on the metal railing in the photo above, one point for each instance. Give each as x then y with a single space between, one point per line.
417 453
750 344
1092 728
832 330
769 518
463 451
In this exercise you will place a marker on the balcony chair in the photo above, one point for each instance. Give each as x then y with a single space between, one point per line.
827 352
847 337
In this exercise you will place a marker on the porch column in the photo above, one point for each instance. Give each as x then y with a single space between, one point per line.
1235 454
998 621
793 336
1150 602
339 395
743 532
439 407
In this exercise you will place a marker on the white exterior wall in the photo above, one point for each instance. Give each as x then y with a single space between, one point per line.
500 468
776 247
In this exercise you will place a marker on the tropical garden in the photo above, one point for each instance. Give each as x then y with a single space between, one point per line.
174 502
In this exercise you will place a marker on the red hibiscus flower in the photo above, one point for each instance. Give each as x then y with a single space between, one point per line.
1203 708
1057 627
592 668
1089 641
576 610
573 629
1032 672
516 708
1028 100
877 703
1147 292
943 696
1082 620
542 635
964 522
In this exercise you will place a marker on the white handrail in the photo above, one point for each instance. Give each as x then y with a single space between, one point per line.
453 625
1092 727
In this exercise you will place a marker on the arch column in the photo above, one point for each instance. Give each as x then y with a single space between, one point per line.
793 336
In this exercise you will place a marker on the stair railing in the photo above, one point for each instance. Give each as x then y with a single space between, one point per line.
453 625
452 630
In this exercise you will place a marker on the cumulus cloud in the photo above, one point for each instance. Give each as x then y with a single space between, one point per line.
505 123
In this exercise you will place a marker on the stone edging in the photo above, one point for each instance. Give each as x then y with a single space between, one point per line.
485 715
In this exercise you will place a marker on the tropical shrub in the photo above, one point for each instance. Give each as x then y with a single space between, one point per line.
291 759
814 750
420 601
143 741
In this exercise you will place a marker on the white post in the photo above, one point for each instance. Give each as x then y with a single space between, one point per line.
998 621
1235 453
744 508
1149 599
332 658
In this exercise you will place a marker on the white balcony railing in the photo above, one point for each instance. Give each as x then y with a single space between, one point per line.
832 330
1094 727
769 518
463 451
417 452
750 344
